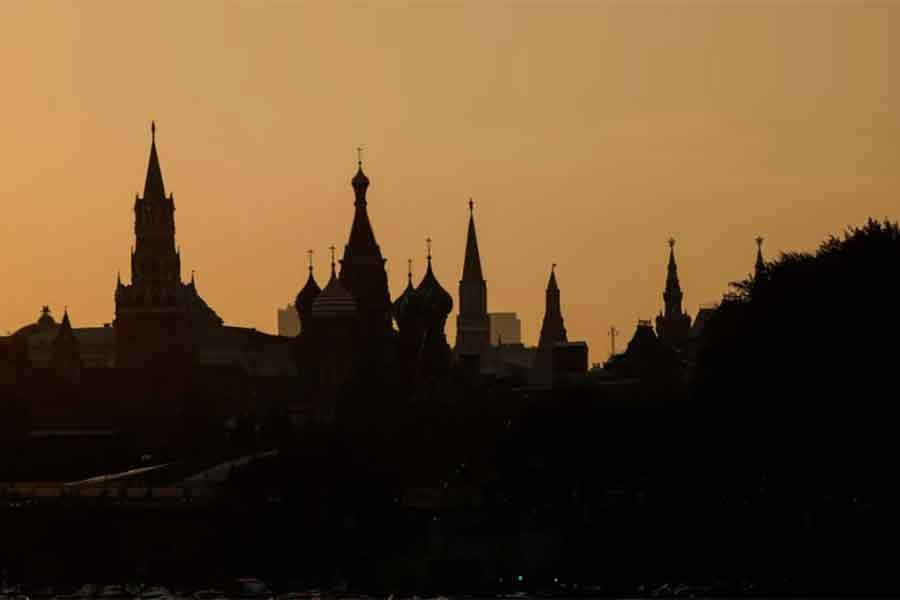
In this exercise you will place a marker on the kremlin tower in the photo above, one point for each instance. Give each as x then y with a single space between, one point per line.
473 327
157 316
674 325
553 330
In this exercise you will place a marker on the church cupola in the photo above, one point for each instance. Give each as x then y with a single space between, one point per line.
433 298
363 273
307 295
360 181
435 304
406 305
334 301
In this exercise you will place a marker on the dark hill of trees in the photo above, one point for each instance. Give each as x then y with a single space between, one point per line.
814 334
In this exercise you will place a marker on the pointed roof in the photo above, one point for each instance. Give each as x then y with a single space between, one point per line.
472 264
308 294
551 284
362 238
760 263
334 300
672 283
65 333
553 329
407 300
153 184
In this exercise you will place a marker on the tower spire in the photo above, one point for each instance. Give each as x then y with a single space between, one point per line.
760 263
153 184
409 271
673 324
331 248
473 327
673 286
551 283
309 254
553 330
472 261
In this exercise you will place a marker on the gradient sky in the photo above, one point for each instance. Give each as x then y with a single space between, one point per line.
587 135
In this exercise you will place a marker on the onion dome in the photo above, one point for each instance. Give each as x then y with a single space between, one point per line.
360 182
334 301
308 294
408 302
46 320
432 297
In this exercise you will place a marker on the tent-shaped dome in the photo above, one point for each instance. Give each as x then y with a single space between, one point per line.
334 300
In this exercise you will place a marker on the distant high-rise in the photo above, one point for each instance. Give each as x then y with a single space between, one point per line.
553 329
473 326
288 321
673 325
506 328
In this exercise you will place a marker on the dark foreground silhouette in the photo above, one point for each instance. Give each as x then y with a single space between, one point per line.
773 474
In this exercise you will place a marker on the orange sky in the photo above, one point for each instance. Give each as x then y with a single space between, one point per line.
587 135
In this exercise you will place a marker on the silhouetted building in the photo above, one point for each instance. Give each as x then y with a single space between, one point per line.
553 330
65 358
305 298
331 342
473 325
363 273
646 356
288 321
506 328
760 265
411 324
673 325
570 358
97 345
435 304
158 316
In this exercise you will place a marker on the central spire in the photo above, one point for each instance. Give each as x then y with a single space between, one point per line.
362 238
153 184
362 267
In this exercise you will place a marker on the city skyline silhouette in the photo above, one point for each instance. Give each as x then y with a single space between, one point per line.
593 167
572 301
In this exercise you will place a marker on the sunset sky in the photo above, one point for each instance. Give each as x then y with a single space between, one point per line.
587 134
